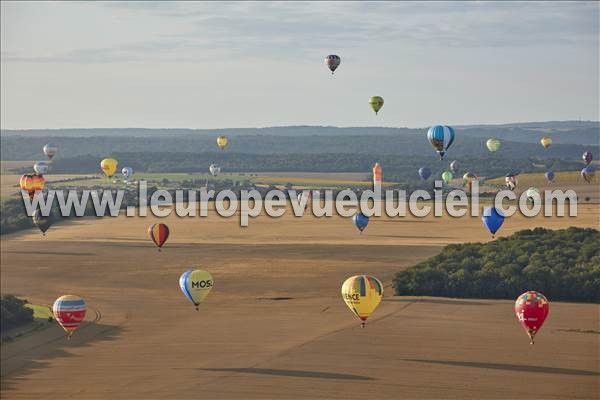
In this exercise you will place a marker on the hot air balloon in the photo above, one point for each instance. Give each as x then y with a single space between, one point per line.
50 150
587 157
447 177
493 144
511 181
376 103
196 285
377 175
69 310
492 219
41 168
214 169
43 223
304 198
127 172
549 176
222 142
546 141
159 233
360 220
109 166
441 138
454 166
362 294
533 193
424 173
468 179
531 309
588 173
332 61
32 183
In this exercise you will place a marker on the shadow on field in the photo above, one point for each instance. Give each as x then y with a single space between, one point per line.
511 367
54 253
435 301
404 220
410 237
36 352
292 373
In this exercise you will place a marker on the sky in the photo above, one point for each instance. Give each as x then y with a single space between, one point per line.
258 64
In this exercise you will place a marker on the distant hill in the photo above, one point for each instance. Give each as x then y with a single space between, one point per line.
570 141
568 132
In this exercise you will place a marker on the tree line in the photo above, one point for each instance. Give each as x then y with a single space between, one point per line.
563 265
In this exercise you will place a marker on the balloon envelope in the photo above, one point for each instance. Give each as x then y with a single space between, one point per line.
159 233
41 168
332 61
533 193
360 220
377 174
43 223
511 181
588 173
531 309
50 150
424 173
468 179
362 294
454 166
493 144
214 169
196 284
493 219
127 172
441 138
376 103
32 183
69 310
109 166
447 177
546 141
222 142
587 157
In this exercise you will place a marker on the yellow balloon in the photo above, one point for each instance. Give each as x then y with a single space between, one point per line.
362 294
468 180
546 141
376 103
109 166
222 142
196 284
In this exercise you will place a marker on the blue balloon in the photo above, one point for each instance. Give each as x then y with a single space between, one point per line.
550 176
492 219
360 220
424 173
441 137
183 279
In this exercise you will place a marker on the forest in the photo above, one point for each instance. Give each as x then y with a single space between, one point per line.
563 265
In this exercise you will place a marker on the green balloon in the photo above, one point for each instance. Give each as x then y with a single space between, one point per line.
447 176
376 103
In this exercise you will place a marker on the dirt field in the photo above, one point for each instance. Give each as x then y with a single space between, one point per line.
274 325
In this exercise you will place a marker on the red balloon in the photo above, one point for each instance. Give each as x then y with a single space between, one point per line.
532 309
159 233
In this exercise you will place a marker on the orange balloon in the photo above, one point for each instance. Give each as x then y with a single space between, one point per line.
31 183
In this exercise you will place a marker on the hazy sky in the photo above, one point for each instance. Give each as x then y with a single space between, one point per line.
209 65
